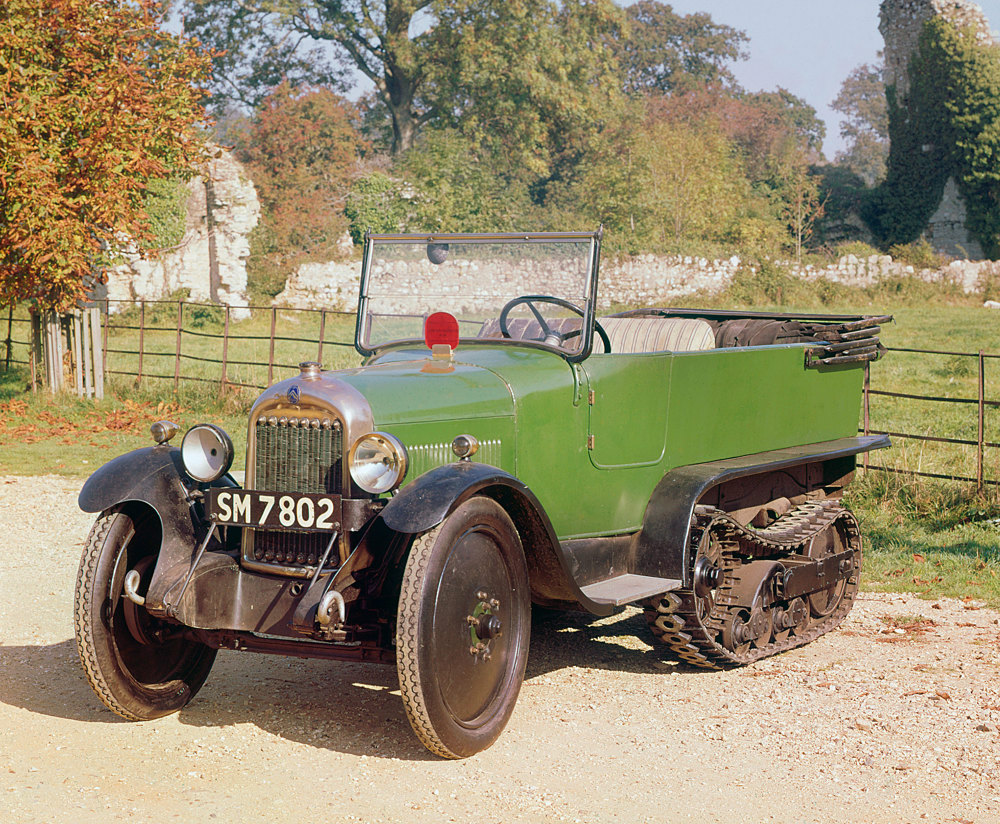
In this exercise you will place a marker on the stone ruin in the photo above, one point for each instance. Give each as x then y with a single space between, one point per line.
211 259
900 22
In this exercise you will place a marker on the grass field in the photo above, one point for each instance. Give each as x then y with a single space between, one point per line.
935 538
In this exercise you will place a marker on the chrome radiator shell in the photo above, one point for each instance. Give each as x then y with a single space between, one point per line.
301 447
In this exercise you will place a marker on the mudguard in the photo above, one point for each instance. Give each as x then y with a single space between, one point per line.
664 543
154 476
427 501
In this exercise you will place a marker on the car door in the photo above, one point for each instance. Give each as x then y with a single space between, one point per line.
628 398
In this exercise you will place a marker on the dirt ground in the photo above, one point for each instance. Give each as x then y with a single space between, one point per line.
892 718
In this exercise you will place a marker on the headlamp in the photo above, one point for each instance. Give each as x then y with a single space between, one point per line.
206 452
378 462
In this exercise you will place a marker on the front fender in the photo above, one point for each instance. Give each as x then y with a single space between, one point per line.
153 476
424 503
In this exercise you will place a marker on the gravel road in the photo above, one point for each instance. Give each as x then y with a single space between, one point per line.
892 718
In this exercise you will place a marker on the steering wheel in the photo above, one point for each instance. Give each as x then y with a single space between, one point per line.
549 335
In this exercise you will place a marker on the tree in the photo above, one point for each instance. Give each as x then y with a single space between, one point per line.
803 206
300 149
528 82
456 186
694 181
798 116
667 52
97 100
866 128
429 60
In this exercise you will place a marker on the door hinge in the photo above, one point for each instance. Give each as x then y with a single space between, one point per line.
590 397
590 442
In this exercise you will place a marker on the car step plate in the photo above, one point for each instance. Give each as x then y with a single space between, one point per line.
624 589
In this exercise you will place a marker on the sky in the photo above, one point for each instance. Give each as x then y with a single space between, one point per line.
807 46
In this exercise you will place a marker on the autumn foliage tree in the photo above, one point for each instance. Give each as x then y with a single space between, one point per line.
300 149
95 100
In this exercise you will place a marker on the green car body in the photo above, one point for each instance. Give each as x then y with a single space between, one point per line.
490 452
575 432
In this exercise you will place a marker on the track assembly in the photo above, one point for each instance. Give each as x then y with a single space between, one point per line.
758 592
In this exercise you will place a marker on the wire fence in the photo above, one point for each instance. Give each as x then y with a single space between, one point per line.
980 402
179 341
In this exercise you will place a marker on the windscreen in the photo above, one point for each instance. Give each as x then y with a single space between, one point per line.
531 289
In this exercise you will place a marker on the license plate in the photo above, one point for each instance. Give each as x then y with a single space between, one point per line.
297 511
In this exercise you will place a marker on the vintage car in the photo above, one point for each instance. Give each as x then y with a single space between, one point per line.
501 445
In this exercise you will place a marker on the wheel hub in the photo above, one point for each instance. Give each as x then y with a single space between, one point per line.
484 625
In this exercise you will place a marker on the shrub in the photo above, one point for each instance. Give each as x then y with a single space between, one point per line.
858 248
374 204
919 254
165 203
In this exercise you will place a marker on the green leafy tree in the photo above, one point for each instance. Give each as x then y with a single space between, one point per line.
796 115
606 187
429 60
456 186
669 52
528 82
694 184
865 128
96 100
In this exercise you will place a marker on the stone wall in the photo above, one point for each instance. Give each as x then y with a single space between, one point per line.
643 280
900 22
210 260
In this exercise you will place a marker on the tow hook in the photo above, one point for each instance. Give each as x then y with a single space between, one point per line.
132 588
325 608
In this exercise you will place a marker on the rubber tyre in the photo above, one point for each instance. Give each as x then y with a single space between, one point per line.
458 702
136 677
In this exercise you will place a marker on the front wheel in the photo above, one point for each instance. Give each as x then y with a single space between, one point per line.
462 629
136 664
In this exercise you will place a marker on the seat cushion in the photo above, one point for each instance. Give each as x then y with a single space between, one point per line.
634 335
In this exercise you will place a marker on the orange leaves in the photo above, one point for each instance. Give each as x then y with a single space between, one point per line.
96 100
18 422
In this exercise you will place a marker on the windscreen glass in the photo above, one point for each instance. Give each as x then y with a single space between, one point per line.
524 290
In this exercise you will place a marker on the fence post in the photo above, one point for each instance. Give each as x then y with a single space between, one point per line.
270 354
95 344
867 410
225 352
142 338
36 348
177 352
85 345
77 344
322 335
53 350
107 323
982 423
10 324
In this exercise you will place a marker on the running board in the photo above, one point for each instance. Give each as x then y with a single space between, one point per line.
624 589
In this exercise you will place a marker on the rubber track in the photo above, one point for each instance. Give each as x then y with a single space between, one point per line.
673 617
408 644
83 610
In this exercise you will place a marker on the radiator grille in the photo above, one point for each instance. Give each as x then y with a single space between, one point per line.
295 455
